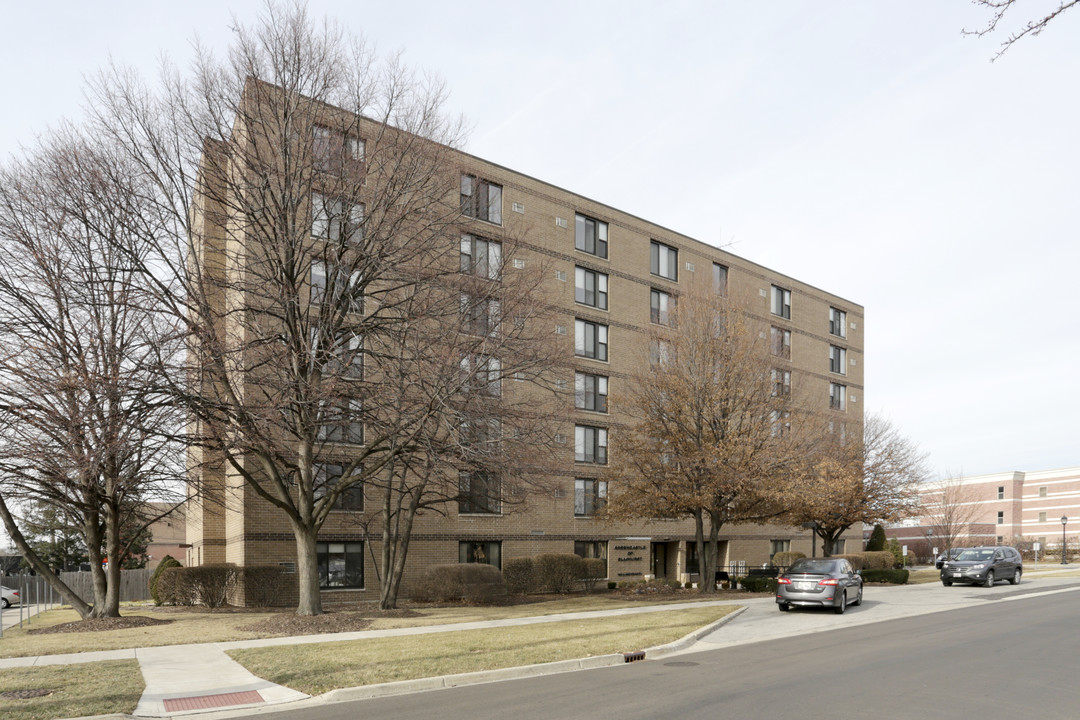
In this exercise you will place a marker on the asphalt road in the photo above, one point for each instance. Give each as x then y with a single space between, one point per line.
994 660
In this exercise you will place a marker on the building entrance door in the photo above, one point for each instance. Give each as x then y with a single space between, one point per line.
659 560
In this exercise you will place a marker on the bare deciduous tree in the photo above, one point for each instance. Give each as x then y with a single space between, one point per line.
87 433
335 316
717 437
871 479
999 8
949 508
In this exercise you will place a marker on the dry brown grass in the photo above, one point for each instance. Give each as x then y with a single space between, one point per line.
77 690
318 668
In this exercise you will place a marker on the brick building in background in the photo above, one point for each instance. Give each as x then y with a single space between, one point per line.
612 276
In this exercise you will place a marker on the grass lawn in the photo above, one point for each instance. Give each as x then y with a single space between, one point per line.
77 690
189 626
318 668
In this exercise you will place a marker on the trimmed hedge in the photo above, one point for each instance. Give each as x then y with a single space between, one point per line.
558 572
166 562
896 577
207 585
594 570
758 584
784 559
520 575
262 584
474 583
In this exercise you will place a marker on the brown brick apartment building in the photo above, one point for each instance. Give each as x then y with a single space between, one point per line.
610 276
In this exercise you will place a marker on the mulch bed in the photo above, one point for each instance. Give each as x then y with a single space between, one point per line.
100 625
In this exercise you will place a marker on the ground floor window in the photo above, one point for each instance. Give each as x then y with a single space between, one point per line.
778 546
486 552
839 547
692 564
341 564
591 549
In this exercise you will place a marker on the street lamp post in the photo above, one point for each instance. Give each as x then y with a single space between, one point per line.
1064 522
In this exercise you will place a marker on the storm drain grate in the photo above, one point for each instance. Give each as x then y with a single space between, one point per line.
634 656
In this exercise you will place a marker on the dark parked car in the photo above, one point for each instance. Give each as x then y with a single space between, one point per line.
950 555
819 582
984 565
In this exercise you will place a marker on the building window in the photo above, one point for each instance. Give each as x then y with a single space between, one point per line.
347 357
660 305
485 552
781 423
1001 492
719 279
839 547
837 322
341 422
590 392
482 374
1042 491
590 444
481 257
838 396
778 546
781 382
590 236
781 302
327 477
590 340
346 289
1000 539
479 316
591 549
663 260
1042 517
589 496
331 219
661 353
590 288
336 152
341 564
780 342
479 494
481 199
1001 517
837 360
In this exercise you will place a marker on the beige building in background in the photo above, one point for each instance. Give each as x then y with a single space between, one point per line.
612 276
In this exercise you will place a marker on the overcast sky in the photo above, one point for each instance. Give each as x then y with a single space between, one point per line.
865 148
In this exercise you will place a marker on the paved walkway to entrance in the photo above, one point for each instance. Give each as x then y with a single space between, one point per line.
199 678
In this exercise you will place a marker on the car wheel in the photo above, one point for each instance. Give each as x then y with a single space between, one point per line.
839 609
784 607
5 603
989 582
1015 578
858 598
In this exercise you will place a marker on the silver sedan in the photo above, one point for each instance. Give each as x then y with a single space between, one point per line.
819 582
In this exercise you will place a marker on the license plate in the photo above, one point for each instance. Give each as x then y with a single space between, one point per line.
804 586
957 573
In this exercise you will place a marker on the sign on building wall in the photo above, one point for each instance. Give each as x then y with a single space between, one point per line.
630 557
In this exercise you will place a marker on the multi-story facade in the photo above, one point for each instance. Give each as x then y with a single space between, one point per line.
611 276
1003 508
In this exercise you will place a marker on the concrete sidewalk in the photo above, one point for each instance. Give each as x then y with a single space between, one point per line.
201 678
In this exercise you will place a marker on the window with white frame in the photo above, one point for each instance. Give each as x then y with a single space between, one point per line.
591 236
591 288
334 220
837 360
661 353
590 392
335 152
781 382
482 374
342 422
590 444
1001 492
660 306
781 302
663 260
481 199
590 340
481 257
780 342
479 315
837 322
1001 517
345 288
837 396
590 496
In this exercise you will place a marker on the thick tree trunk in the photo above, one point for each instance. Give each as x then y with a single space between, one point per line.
76 602
110 604
706 558
307 572
94 540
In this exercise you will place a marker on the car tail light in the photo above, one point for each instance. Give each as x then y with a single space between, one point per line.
783 581
827 581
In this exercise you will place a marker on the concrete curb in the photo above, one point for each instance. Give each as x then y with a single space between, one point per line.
681 644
